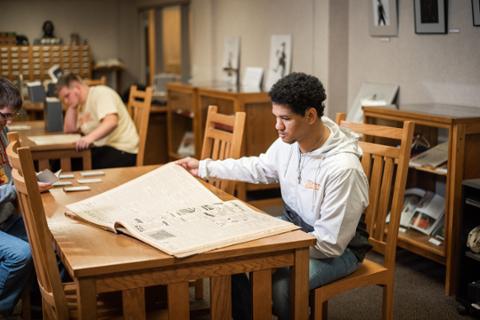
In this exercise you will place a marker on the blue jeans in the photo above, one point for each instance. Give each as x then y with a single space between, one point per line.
16 266
321 272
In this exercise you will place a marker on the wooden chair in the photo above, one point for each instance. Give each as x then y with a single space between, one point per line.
42 155
223 139
96 82
387 168
58 299
139 105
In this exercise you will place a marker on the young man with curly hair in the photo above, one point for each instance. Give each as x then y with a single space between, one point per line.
323 186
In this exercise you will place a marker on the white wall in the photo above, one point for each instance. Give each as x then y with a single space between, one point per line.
330 40
110 26
428 68
255 21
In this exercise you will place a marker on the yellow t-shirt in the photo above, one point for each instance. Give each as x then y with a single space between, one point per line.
101 101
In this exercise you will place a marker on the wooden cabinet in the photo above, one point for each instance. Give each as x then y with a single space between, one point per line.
460 126
156 146
187 111
183 116
33 62
468 263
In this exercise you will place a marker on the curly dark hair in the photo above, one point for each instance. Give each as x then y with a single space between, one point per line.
9 95
300 92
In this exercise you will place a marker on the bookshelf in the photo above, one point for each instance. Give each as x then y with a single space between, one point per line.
468 262
461 127
187 111
33 61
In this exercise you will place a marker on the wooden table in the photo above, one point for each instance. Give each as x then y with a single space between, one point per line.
101 261
43 153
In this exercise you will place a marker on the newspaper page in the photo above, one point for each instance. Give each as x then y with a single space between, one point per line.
192 230
172 211
167 188
428 213
55 139
432 157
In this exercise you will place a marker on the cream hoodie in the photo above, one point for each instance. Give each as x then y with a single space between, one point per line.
327 187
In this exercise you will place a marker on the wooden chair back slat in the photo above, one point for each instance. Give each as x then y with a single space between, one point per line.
223 139
367 163
96 82
386 167
42 155
39 235
384 198
375 130
139 105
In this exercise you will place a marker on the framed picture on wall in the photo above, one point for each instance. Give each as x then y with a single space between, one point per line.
383 18
430 16
476 12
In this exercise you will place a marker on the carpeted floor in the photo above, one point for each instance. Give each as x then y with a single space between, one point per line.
419 294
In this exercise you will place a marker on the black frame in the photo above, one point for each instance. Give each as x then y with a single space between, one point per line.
476 13
438 17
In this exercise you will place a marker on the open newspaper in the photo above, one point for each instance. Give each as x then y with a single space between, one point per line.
428 213
422 210
171 210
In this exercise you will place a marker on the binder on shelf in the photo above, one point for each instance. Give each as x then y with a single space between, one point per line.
36 92
53 115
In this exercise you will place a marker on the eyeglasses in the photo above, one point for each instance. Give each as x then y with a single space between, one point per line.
7 116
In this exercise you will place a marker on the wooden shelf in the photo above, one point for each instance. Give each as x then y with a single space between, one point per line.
418 243
473 202
462 125
473 255
430 170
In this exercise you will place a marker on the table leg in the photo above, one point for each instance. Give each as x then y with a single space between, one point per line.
262 294
299 285
134 304
178 300
221 297
86 299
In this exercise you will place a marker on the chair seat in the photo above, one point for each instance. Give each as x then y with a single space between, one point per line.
369 272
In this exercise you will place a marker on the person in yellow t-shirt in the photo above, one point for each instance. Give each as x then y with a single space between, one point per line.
99 114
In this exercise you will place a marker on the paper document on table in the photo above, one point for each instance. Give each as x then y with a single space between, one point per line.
55 139
18 127
172 211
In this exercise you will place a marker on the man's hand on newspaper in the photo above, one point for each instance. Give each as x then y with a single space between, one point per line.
190 164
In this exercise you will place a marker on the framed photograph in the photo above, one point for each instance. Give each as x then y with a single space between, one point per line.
280 59
476 12
231 59
383 18
430 16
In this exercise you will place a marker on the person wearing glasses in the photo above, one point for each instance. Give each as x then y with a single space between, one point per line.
98 113
16 265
